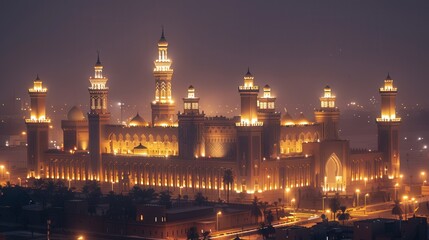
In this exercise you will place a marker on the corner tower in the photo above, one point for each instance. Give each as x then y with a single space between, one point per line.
37 130
163 106
388 128
191 128
98 116
328 115
271 124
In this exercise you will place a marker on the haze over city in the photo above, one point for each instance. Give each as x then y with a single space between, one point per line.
224 119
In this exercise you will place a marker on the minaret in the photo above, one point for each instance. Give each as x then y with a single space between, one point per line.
37 130
249 97
163 112
271 124
328 115
191 128
98 91
388 128
249 138
98 116
191 103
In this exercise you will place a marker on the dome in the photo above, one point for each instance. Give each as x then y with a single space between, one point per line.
287 120
248 74
302 120
162 41
75 114
137 121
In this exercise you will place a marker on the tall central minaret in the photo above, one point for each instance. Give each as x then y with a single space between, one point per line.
98 116
163 107
37 130
388 129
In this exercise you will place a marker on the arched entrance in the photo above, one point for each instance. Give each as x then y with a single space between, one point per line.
333 174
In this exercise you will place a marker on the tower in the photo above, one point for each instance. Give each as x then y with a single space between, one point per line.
271 124
388 128
98 116
163 106
191 127
328 115
37 130
249 134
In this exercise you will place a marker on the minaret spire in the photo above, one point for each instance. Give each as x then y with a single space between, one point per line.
37 77
98 58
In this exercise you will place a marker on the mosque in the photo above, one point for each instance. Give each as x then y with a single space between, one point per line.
268 153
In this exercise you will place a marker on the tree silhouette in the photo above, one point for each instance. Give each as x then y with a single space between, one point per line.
165 199
397 210
228 180
200 199
334 204
93 194
192 234
270 217
255 211
343 216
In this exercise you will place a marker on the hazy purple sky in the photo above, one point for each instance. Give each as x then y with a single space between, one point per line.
297 47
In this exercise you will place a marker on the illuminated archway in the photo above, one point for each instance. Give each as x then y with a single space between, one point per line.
333 174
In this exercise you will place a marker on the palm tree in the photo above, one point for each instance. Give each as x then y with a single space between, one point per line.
335 204
343 215
228 180
255 211
397 210
270 217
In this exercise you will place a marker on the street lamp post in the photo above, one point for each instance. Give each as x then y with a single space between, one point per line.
357 197
121 105
112 185
423 174
323 203
2 171
292 203
366 195
396 191
405 200
19 180
69 182
217 220
287 190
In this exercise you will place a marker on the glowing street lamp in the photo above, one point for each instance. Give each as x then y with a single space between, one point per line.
80 237
287 190
328 211
357 197
423 174
396 191
112 185
405 200
366 195
217 220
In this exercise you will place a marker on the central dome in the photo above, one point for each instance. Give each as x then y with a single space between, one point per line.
75 114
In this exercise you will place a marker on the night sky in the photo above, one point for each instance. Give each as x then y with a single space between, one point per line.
296 47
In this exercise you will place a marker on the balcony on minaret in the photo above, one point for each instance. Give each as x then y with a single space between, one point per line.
266 103
388 102
328 100
191 103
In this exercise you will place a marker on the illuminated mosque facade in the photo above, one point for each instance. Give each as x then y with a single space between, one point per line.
267 152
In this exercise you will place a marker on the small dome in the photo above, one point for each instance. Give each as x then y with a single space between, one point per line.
75 114
287 119
302 120
162 41
327 87
140 146
137 121
267 86
191 87
248 74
